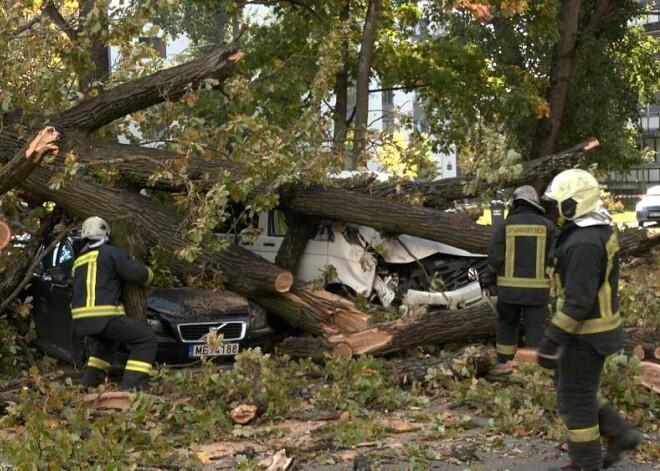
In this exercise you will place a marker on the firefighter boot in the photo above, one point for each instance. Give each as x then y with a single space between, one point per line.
621 435
619 444
570 466
93 377
134 380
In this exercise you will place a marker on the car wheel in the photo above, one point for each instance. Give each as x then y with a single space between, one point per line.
82 347
640 223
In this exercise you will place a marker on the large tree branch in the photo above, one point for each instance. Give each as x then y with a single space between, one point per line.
600 14
27 159
144 92
53 13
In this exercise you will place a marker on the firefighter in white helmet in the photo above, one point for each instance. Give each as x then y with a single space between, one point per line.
517 265
98 312
586 327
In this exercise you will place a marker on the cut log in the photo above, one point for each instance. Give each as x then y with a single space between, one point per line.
416 370
5 234
641 343
244 413
316 312
651 376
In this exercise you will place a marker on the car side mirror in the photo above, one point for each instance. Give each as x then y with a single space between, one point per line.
55 274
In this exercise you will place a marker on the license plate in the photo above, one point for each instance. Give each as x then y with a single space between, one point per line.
203 350
654 214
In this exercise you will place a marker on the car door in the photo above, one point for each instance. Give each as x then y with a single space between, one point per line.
52 289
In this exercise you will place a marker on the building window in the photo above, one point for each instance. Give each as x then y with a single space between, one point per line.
156 44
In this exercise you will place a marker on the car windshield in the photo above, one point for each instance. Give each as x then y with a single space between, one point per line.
653 191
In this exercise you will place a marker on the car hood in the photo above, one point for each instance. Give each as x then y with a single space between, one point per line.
185 302
648 201
406 248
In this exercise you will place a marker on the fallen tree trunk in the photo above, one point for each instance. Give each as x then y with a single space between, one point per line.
159 227
442 193
432 328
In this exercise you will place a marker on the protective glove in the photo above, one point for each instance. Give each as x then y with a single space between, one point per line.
488 281
547 354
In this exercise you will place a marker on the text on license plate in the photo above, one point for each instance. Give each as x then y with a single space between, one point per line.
654 214
203 350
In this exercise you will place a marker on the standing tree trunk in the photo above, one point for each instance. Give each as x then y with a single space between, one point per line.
362 85
341 87
563 61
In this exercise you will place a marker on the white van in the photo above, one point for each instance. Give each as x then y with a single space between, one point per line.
401 270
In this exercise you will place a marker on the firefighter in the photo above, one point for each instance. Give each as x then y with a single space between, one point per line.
517 265
586 327
98 313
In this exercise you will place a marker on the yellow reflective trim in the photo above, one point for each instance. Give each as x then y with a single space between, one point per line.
139 366
509 255
583 435
97 311
150 277
526 230
506 349
588 326
540 255
87 258
518 282
98 363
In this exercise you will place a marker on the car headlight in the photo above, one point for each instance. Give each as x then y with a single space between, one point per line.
258 317
156 325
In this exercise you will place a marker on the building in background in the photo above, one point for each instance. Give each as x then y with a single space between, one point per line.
642 177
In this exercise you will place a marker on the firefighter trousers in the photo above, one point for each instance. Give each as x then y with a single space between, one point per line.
508 327
142 343
585 415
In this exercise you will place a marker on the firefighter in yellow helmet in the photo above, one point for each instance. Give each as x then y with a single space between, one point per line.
586 327
98 313
517 264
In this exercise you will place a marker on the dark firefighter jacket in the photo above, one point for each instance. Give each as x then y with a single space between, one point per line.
518 254
97 277
586 274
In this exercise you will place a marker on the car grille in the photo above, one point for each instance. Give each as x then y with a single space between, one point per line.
231 331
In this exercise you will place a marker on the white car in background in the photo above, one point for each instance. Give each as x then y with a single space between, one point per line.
648 208
397 270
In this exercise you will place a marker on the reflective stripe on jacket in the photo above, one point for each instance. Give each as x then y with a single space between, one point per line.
518 254
586 277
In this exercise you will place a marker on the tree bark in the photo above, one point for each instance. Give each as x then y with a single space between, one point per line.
144 92
389 216
563 61
133 295
341 87
362 86
249 274
27 159
432 328
293 245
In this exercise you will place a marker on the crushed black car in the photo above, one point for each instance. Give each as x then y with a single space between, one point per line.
180 317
